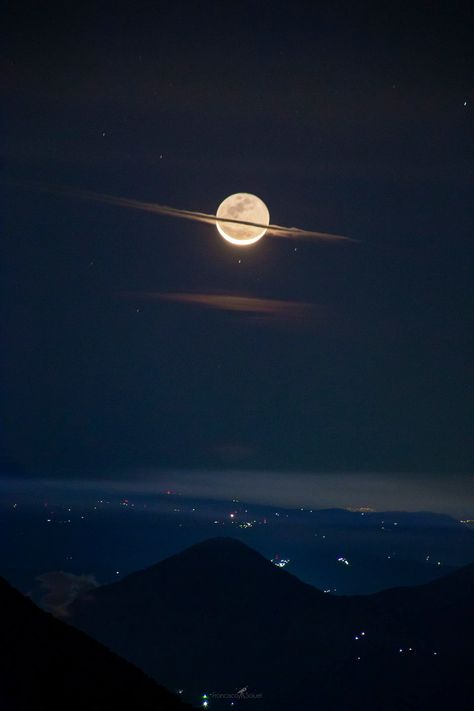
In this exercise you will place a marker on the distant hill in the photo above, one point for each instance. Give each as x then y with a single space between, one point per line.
46 664
385 549
219 616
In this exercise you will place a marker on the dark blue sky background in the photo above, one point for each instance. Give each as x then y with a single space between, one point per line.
357 122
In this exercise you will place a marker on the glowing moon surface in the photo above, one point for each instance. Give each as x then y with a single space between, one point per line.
246 207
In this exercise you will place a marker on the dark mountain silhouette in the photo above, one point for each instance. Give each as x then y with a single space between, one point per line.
219 616
46 664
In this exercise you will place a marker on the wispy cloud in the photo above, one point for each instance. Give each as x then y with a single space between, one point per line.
261 310
61 589
246 304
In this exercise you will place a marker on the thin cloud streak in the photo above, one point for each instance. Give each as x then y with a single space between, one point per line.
243 304
157 209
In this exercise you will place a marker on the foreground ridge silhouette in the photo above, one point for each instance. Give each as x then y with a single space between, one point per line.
47 664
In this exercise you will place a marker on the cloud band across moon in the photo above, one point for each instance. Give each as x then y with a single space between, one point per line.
165 210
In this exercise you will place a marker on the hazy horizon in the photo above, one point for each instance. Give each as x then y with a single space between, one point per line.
319 490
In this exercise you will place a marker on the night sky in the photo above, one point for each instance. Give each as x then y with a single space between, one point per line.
122 351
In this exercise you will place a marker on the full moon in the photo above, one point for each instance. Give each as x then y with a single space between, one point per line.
246 207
